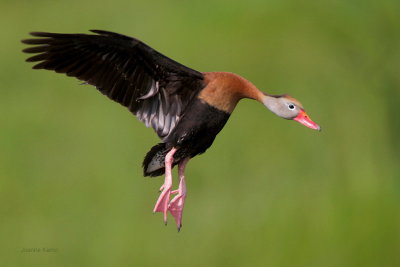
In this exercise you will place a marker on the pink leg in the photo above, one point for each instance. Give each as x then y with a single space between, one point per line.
162 202
178 202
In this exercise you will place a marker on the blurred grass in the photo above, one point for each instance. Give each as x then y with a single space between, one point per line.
268 193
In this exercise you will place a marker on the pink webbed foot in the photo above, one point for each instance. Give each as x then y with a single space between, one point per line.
162 202
178 202
175 206
163 199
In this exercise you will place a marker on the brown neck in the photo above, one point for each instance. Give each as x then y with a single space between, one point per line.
223 90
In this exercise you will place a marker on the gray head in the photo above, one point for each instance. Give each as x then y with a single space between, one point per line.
289 108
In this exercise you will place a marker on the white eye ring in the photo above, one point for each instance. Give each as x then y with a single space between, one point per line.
291 106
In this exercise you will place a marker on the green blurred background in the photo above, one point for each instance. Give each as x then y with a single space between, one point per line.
268 193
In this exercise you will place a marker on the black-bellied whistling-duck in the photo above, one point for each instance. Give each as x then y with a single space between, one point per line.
186 108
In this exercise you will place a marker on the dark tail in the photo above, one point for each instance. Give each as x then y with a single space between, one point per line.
153 163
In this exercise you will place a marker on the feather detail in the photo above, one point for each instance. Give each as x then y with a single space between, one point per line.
152 86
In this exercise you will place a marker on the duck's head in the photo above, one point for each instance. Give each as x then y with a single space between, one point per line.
289 108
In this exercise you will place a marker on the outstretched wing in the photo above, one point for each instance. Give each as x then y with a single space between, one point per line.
152 86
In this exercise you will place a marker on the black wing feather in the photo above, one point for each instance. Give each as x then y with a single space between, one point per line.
152 86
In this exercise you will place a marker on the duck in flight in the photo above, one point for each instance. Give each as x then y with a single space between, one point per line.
186 108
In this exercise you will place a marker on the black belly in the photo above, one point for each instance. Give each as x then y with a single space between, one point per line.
194 133
197 129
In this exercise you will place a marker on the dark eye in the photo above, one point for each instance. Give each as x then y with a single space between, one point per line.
291 106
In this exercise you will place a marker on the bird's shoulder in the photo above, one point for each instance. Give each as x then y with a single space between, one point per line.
223 90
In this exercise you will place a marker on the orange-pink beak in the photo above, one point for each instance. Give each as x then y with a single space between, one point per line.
306 121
